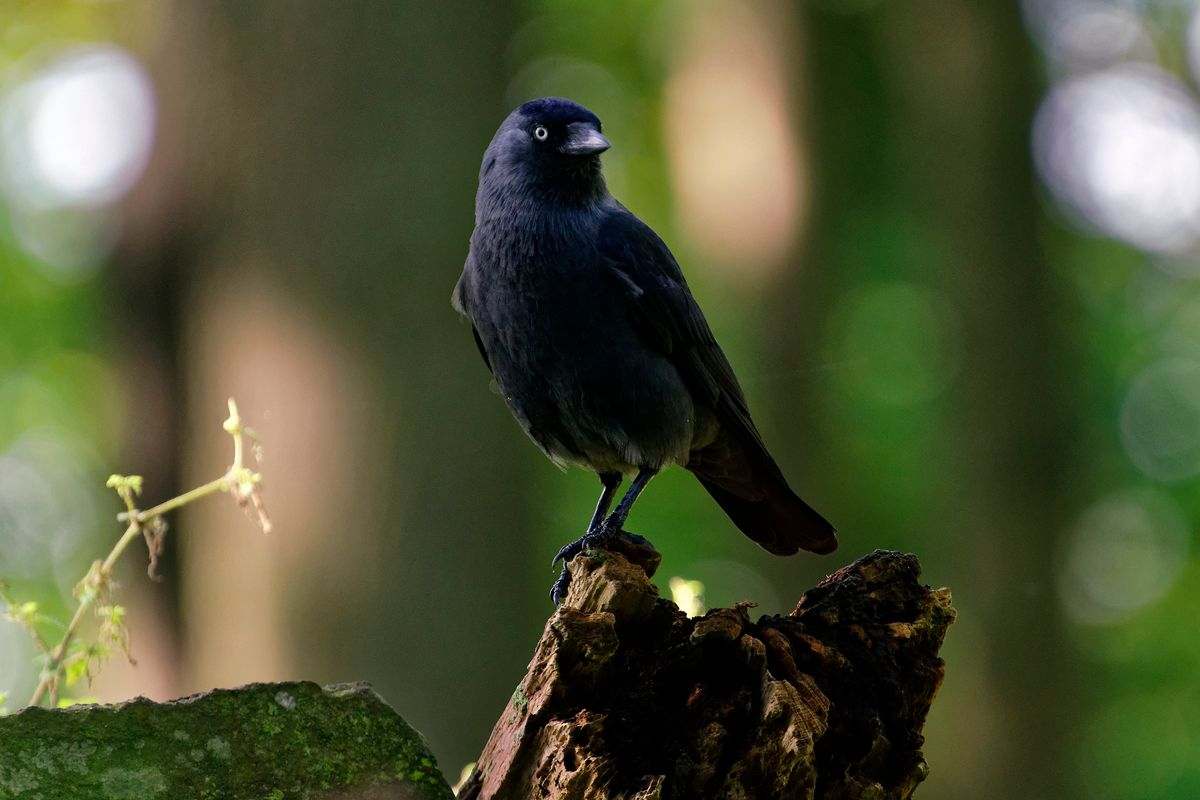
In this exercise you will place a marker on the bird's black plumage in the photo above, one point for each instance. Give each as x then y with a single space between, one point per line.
597 345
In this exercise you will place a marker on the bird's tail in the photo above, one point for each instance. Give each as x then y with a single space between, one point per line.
753 492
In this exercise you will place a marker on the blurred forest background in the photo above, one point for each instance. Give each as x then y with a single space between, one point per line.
952 249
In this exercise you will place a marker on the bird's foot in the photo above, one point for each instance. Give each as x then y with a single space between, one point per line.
558 592
596 537
593 539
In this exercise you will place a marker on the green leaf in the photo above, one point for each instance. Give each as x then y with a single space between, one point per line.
74 670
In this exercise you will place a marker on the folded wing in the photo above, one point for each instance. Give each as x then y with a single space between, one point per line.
736 468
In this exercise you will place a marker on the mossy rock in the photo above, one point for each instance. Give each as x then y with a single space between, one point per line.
274 741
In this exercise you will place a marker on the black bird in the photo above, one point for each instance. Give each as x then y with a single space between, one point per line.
598 346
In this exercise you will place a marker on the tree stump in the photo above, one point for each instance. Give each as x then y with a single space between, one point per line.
627 697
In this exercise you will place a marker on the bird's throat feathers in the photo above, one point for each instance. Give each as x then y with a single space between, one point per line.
511 192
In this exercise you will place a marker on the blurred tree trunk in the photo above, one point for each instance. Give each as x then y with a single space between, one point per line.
315 177
950 88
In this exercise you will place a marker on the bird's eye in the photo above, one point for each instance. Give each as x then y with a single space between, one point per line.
541 133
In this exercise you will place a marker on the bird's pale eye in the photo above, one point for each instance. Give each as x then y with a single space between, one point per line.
541 133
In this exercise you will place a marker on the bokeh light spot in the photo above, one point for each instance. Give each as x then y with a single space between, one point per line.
731 143
1123 554
1120 148
688 595
726 582
46 509
1086 33
1160 420
78 132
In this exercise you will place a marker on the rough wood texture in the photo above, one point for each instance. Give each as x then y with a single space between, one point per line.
626 697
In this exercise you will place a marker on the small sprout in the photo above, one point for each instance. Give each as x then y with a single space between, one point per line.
113 629
128 487
71 656
75 667
28 616
86 593
132 483
113 615
245 480
23 614
92 584
84 660
233 425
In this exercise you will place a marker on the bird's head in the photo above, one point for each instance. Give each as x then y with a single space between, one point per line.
549 146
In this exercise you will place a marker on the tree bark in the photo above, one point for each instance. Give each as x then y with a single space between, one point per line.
628 697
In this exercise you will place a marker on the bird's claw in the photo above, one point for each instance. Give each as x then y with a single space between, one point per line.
589 541
567 552
558 592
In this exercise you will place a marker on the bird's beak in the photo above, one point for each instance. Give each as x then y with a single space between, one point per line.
583 140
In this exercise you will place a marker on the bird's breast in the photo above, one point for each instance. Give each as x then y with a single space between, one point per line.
570 365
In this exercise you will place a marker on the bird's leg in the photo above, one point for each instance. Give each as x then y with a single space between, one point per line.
612 526
599 531
610 481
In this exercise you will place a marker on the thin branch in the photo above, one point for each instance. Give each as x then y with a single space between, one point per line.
243 483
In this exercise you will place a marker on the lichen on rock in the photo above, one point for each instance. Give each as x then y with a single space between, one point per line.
270 741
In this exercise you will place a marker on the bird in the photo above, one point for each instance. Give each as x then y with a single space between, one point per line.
597 345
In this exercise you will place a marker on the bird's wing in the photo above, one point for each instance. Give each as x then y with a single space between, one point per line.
458 299
668 318
735 468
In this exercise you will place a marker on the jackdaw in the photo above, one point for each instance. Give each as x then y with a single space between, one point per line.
596 343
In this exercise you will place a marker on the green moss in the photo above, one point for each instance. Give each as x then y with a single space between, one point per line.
143 783
273 741
219 748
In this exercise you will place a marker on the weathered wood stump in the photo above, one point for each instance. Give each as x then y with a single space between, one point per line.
627 697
